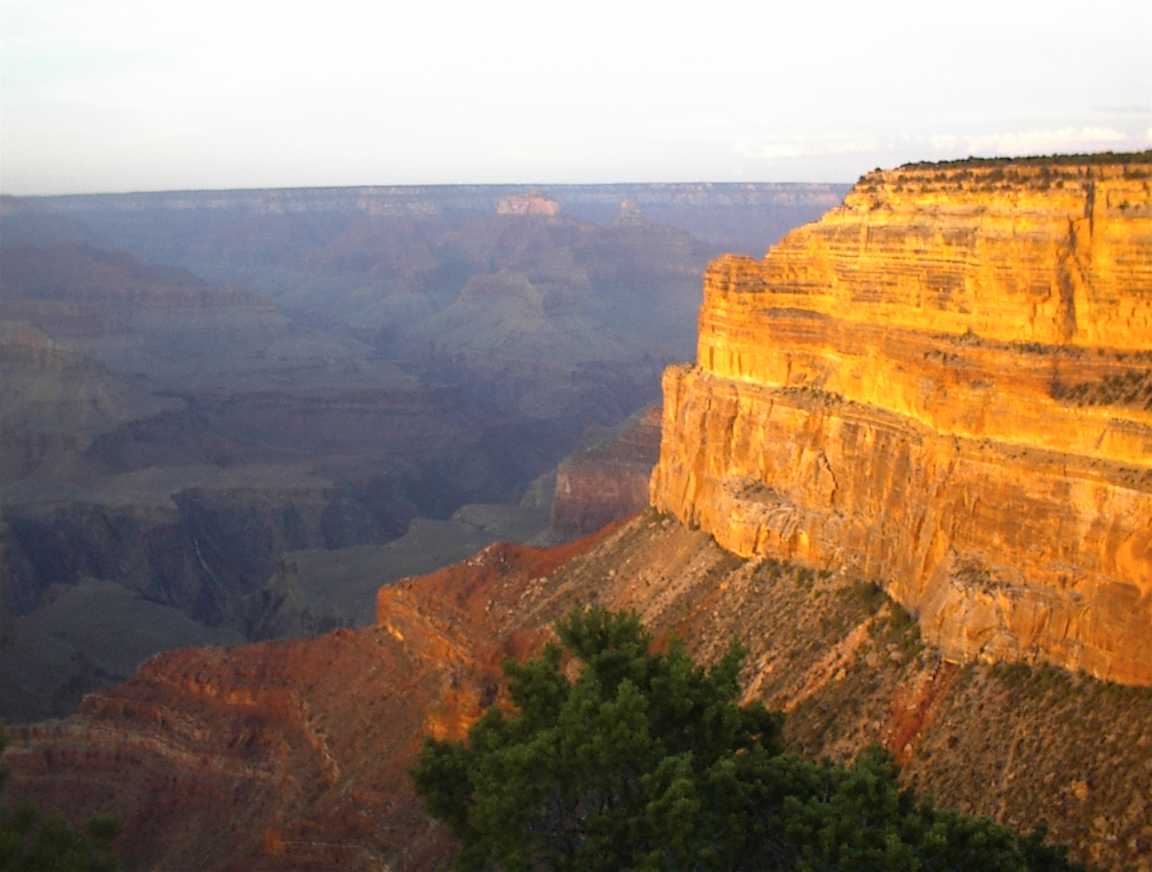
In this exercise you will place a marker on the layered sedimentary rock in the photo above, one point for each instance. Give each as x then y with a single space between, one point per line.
609 480
54 400
224 402
727 204
945 384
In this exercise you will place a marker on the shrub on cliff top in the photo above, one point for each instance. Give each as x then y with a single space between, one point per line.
1097 158
643 760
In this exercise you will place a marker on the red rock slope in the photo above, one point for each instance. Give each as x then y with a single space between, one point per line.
292 755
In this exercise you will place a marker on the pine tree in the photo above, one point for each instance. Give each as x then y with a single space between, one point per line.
645 761
33 842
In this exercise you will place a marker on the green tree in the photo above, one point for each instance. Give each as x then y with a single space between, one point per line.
33 842
617 757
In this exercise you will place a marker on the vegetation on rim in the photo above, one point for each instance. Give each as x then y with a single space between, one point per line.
1090 158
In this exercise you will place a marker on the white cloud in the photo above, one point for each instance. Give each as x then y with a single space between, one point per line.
784 148
1024 142
143 95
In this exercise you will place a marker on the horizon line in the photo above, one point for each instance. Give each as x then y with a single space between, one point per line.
416 185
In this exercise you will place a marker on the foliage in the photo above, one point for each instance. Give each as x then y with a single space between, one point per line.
1090 158
1131 388
621 758
33 842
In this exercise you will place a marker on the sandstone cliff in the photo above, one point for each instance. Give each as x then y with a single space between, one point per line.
944 384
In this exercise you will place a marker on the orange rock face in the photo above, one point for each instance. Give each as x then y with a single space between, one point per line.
945 384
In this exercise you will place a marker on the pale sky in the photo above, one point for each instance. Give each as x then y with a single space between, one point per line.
123 95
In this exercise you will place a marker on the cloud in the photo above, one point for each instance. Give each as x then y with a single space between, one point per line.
784 148
1133 109
997 143
1023 142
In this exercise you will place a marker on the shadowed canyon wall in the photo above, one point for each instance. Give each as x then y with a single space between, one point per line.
607 481
944 384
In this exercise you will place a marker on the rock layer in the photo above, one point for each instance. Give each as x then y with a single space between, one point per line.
946 384
608 481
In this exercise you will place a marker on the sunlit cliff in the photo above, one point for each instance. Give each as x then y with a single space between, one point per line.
944 384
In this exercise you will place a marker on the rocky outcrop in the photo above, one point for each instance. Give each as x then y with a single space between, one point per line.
607 481
54 400
943 384
933 387
528 204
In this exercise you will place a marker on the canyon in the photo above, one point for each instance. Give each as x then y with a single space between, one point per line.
239 413
910 471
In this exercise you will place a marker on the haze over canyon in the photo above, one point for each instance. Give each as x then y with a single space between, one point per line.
910 470
232 415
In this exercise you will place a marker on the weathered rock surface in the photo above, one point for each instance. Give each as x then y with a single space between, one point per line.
607 481
292 755
54 401
838 418
943 384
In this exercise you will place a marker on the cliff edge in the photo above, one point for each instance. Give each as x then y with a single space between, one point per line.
944 384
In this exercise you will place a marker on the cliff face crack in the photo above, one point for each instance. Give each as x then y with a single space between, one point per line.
1066 280
826 466
1090 205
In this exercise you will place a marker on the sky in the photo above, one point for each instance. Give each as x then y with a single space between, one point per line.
153 95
